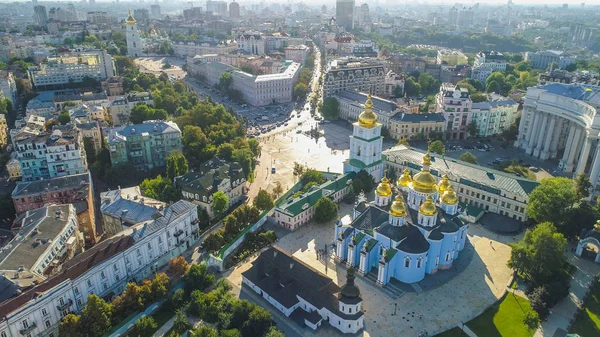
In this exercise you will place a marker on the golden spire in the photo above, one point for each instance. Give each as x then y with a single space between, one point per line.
384 189
368 118
130 20
428 207
398 208
426 160
449 197
405 179
443 186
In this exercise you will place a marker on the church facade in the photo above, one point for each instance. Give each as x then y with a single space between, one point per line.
409 230
366 144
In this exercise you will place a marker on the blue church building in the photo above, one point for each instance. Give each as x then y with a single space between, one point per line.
410 230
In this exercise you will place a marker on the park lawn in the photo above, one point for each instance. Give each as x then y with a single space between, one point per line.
503 319
587 322
455 332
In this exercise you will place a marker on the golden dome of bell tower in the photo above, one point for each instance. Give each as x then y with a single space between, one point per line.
367 118
130 20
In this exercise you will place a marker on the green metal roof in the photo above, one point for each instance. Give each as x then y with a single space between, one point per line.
389 254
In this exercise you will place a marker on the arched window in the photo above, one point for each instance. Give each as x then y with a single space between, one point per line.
419 261
407 262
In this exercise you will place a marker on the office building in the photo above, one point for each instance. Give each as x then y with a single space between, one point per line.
194 13
155 11
145 145
40 16
98 18
216 7
234 10
344 14
543 59
455 103
354 74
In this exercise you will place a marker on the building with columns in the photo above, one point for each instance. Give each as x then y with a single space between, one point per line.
419 231
561 121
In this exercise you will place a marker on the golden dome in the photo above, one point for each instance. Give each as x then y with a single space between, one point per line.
130 20
398 207
449 197
384 189
367 118
428 208
426 160
405 179
443 186
424 181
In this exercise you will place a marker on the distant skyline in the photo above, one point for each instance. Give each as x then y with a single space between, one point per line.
370 2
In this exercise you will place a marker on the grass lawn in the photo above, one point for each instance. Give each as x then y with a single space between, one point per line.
587 322
456 332
503 319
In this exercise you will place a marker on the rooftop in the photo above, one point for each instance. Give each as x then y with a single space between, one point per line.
148 127
361 97
75 181
129 205
420 117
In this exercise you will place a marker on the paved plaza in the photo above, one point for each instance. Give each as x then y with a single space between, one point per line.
154 65
448 298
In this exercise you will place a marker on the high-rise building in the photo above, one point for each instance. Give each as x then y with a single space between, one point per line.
194 13
155 11
234 10
362 15
134 43
216 7
344 13
141 14
40 15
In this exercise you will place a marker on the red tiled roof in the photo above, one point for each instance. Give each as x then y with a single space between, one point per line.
71 269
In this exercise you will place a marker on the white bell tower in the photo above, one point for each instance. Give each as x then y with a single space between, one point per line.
134 43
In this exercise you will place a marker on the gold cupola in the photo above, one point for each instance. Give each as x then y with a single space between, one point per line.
424 181
443 187
398 208
367 118
449 197
384 189
130 20
405 179
428 207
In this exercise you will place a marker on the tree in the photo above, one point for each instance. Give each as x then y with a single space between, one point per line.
70 326
97 315
312 175
531 320
331 108
213 242
273 332
277 190
50 123
204 331
197 278
300 90
298 169
428 83
362 182
220 203
552 200
437 147
160 188
325 210
412 87
177 165
258 323
143 327
263 200
231 333
64 118
469 158
472 128
537 298
582 186
159 286
231 224
398 91
178 266
225 81
181 324
90 150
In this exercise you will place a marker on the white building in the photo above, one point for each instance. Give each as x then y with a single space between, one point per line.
455 103
191 49
562 121
352 103
104 270
8 85
252 42
486 62
543 59
393 81
297 53
134 42
293 287
73 66
126 207
494 117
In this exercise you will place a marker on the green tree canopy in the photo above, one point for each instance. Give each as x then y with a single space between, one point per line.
220 202
263 200
325 210
64 118
197 278
143 327
225 81
70 326
582 186
437 147
552 200
177 165
96 315
469 158
160 188
363 182
300 90
412 87
331 108
312 175
472 128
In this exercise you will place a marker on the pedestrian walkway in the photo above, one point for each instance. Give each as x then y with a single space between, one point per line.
165 328
565 310
468 331
390 290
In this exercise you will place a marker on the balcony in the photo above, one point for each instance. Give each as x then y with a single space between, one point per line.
65 306
28 329
178 233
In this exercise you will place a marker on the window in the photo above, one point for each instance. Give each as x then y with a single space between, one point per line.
89 283
44 312
102 275
76 290
115 267
406 262
62 301
419 262
25 324
48 325
2 334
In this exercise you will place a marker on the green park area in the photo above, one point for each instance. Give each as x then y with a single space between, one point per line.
503 319
587 322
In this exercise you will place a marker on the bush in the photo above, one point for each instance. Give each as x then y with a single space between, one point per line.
537 298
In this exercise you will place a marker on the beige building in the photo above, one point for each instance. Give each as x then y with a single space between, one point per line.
3 131
451 57
297 53
354 74
416 125
13 168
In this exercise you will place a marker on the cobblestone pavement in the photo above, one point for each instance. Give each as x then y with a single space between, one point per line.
154 65
464 296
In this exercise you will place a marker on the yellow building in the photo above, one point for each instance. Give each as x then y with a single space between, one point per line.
419 125
3 131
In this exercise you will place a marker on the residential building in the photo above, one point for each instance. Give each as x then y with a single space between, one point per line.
113 86
141 14
252 42
8 85
40 16
214 175
12 167
135 98
295 288
455 103
365 48
98 18
104 270
234 10
497 27
61 100
481 188
91 130
75 189
3 131
216 7
145 145
297 54
543 59
123 208
155 11
47 237
401 63
24 128
191 14
52 154
362 15
354 74
451 57
118 110
134 42
344 14
298 211
191 49
392 82
406 125
566 77
486 62
72 67
352 103
493 117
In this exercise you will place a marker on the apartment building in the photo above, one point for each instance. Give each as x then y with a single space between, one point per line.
297 54
126 207
72 67
64 98
191 49
494 117
451 57
104 270
52 154
113 86
75 189
145 145
486 62
352 103
354 74
455 104
3 131
406 125
215 175
543 59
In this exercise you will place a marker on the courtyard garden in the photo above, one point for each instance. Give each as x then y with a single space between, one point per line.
503 319
587 322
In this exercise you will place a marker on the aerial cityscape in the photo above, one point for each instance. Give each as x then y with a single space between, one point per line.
267 169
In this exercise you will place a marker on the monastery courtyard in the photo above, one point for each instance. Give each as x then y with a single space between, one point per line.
442 302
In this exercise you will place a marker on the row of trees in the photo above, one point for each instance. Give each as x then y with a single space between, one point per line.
420 84
234 223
